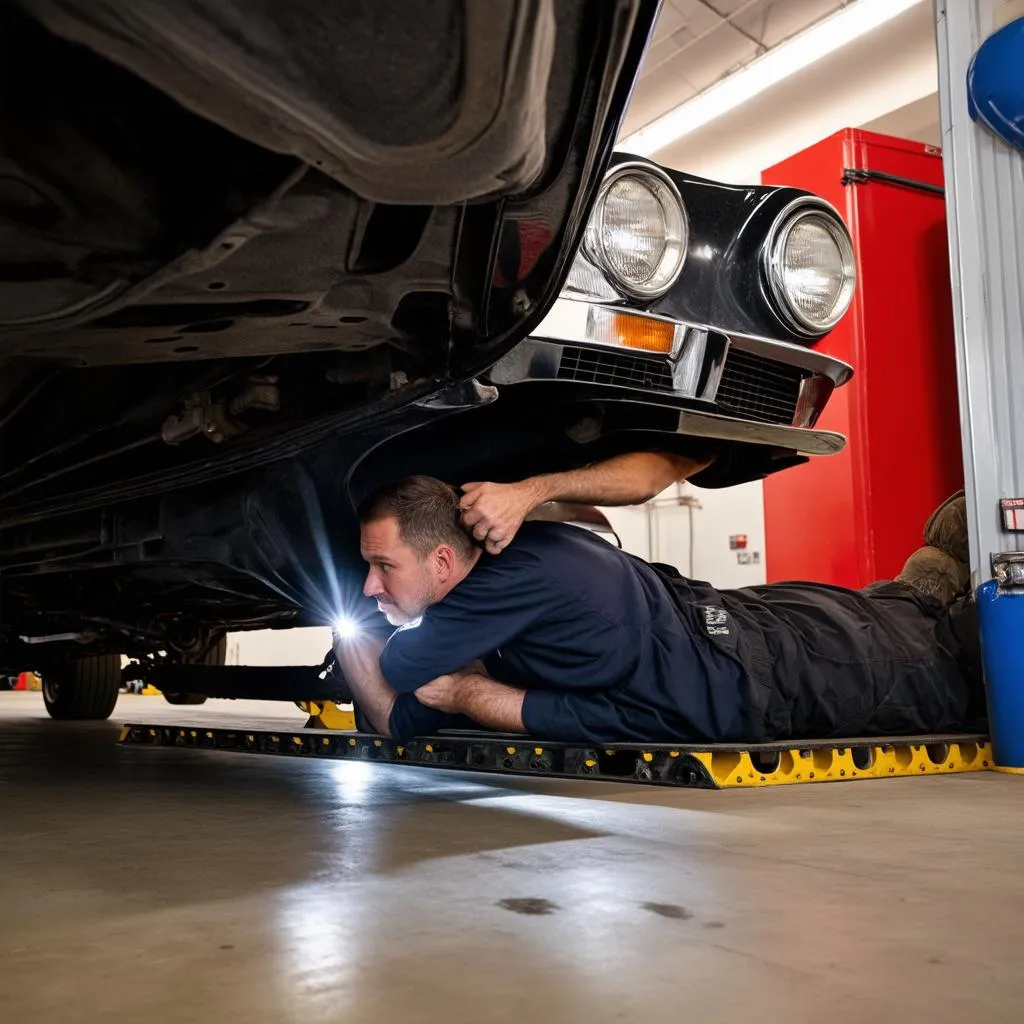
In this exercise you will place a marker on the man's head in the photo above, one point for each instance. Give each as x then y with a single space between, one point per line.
411 535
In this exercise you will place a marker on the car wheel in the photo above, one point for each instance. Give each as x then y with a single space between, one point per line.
83 689
216 655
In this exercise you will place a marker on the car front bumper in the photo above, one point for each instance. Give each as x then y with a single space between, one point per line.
729 387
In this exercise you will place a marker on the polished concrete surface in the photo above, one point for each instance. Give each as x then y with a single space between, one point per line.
142 884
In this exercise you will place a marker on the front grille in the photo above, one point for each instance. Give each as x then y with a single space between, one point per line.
759 389
597 366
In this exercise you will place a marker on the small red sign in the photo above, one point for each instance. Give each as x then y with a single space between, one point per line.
1013 513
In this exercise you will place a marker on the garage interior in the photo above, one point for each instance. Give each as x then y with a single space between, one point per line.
176 885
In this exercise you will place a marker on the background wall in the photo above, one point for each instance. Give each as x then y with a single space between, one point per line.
889 75
690 528
279 646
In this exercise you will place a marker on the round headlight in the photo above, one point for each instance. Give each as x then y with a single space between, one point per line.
638 231
811 269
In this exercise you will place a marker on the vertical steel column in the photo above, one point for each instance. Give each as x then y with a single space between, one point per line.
985 213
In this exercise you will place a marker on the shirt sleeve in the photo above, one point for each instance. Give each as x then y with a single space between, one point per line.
411 718
495 603
574 717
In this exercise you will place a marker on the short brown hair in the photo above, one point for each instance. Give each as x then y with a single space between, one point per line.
427 510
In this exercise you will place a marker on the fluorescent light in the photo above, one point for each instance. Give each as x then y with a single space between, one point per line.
793 55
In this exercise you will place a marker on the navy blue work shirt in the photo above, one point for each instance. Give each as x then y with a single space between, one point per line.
590 633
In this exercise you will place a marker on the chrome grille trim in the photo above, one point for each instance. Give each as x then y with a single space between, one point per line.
758 388
600 366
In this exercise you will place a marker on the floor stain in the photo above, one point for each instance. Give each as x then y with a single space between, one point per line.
713 924
671 910
529 905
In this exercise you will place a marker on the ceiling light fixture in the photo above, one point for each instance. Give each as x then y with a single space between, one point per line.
796 53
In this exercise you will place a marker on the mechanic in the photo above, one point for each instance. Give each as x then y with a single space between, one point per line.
564 637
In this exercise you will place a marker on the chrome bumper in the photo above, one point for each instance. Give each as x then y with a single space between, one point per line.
763 392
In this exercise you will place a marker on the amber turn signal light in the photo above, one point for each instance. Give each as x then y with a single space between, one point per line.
645 333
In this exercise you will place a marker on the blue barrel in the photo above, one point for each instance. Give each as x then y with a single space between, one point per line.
995 86
1001 618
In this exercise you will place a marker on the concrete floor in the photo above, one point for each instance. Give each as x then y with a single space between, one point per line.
187 886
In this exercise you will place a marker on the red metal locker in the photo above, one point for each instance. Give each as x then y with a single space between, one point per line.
853 518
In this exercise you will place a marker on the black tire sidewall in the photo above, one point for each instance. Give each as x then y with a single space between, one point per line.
85 689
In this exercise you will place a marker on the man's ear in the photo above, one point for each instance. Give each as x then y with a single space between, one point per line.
444 561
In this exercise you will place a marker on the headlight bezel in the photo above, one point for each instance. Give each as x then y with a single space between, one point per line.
773 256
594 249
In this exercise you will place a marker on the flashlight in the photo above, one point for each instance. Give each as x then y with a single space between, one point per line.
346 628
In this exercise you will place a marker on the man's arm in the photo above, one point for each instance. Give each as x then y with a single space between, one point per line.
623 480
495 512
493 705
359 660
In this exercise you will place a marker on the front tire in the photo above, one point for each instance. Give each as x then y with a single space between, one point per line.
216 655
83 690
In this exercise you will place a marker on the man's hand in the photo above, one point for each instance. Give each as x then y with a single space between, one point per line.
494 512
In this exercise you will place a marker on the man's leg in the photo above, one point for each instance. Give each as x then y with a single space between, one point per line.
940 569
931 571
946 528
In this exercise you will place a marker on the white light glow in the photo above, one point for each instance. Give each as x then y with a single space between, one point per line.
352 779
345 627
795 54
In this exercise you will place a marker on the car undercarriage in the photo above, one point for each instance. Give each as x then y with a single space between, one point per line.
232 265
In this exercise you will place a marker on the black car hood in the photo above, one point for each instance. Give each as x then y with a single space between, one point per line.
238 179
424 101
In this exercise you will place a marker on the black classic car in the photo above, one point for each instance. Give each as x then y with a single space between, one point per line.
256 262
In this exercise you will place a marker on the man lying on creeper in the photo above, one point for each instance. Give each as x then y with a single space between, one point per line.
544 629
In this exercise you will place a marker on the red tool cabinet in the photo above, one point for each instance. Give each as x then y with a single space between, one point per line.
853 518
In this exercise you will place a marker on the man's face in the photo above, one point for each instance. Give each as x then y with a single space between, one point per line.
403 582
